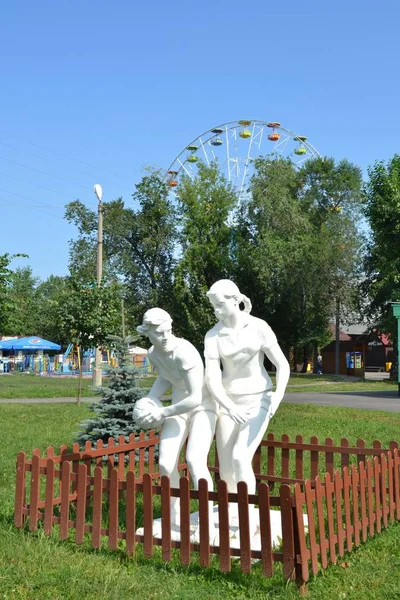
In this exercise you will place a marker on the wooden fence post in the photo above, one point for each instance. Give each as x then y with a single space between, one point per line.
288 545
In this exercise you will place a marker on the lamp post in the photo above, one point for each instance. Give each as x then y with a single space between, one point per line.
97 374
396 313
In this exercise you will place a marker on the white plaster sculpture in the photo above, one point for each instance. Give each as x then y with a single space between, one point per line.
243 388
192 411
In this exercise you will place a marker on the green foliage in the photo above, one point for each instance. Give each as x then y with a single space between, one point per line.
295 249
114 411
138 245
383 250
88 313
206 205
7 304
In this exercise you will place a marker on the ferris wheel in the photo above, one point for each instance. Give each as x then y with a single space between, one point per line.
234 146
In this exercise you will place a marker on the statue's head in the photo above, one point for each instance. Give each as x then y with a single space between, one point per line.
157 326
226 298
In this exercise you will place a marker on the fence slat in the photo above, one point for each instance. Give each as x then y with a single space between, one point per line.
113 509
141 455
385 508
396 460
204 523
311 526
347 511
344 442
356 518
64 507
131 453
338 484
377 483
370 485
121 459
391 499
299 459
35 493
97 507
287 532
271 459
20 490
299 501
323 542
148 515
329 464
285 457
75 465
48 507
244 527
185 520
130 524
314 458
329 491
363 504
265 530
151 454
81 504
99 459
166 518
110 457
223 520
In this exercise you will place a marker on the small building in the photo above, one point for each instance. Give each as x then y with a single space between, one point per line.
361 349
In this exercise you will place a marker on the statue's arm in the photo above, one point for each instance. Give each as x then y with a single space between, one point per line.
214 384
193 379
279 360
159 387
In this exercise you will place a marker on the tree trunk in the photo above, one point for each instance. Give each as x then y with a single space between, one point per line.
80 377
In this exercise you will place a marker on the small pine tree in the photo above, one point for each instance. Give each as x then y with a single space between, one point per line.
114 410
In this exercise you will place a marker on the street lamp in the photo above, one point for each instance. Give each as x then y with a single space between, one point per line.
97 374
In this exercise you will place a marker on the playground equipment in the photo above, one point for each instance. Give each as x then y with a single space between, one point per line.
234 146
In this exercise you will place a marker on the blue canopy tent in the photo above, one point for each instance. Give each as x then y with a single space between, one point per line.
28 343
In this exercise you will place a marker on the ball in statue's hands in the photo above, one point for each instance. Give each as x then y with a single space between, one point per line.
143 408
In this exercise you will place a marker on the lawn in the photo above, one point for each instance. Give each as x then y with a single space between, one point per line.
36 567
22 385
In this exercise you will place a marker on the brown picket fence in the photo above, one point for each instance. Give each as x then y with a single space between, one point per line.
111 491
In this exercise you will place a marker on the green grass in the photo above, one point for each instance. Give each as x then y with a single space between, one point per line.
36 567
21 385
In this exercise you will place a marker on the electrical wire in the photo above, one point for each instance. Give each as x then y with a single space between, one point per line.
64 156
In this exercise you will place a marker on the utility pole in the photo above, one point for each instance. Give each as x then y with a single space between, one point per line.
97 372
123 317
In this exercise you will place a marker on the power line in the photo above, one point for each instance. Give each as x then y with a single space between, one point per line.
64 156
37 209
44 173
39 186
57 163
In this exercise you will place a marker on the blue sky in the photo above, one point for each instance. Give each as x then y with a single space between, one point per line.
92 92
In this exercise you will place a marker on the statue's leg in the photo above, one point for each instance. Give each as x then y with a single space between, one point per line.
172 438
248 439
201 433
226 435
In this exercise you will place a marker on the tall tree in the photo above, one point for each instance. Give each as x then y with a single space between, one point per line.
293 244
382 264
206 206
87 314
139 245
22 319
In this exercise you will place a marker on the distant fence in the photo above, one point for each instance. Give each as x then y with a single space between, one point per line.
112 491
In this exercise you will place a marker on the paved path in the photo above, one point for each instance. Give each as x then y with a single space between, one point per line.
386 400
